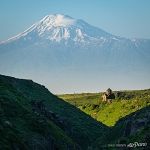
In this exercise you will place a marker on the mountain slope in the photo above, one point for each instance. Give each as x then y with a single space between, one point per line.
132 131
57 28
21 128
126 102
62 47
127 116
38 119
33 118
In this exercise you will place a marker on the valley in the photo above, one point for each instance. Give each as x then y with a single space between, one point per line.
31 117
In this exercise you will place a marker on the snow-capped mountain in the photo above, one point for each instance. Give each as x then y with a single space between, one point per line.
57 28
60 49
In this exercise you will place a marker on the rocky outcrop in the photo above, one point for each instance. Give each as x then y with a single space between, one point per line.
135 128
108 96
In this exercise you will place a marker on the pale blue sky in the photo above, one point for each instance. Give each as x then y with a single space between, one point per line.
127 18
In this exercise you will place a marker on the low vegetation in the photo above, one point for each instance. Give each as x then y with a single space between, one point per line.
52 124
33 118
128 117
126 102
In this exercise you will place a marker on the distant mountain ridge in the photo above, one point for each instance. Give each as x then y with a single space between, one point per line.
61 47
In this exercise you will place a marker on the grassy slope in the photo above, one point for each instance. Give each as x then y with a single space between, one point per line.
129 129
20 128
81 99
130 107
15 98
109 114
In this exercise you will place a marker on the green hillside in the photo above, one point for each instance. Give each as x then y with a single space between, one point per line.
134 128
125 103
25 124
128 116
32 118
20 127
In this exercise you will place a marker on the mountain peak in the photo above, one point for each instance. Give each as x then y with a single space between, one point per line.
60 27
58 20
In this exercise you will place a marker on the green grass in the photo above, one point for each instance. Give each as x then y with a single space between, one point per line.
81 99
110 114
126 103
88 123
129 106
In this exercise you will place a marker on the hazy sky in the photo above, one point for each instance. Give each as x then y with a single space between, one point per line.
127 18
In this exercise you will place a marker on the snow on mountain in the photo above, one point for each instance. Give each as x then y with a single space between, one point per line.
61 27
61 49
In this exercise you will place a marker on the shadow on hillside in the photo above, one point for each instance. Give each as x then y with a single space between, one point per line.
130 129
82 128
125 128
